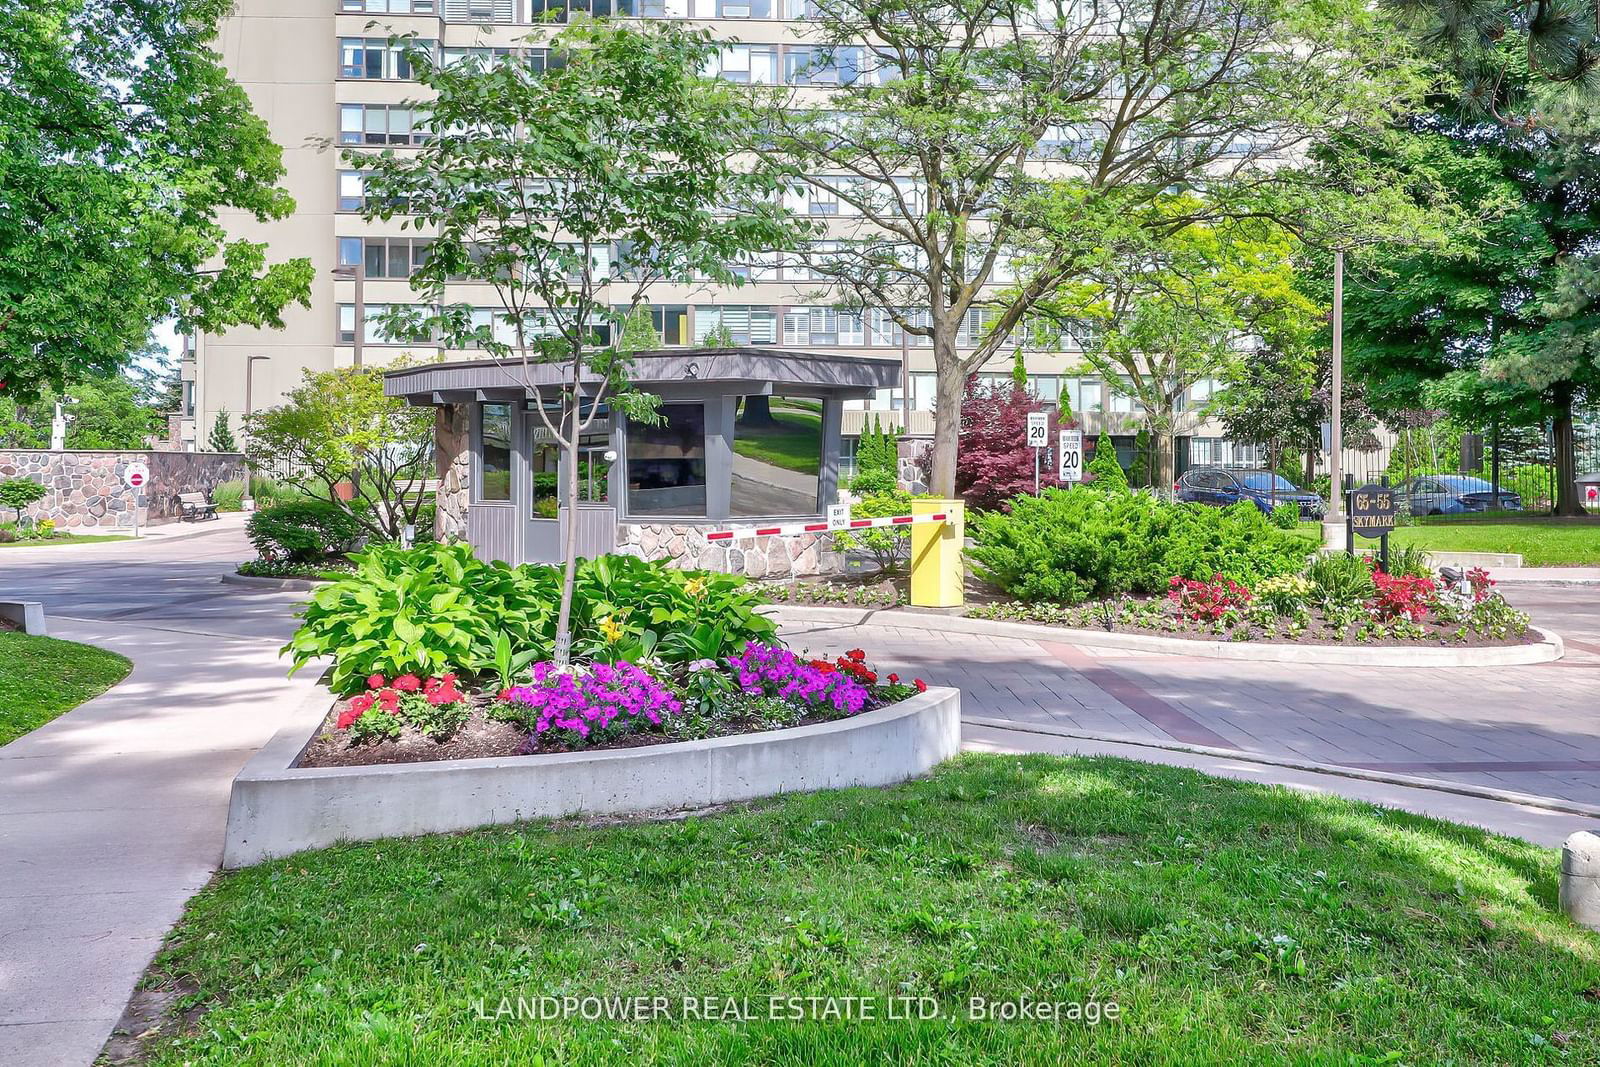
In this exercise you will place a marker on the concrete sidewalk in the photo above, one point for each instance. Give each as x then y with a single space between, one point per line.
112 816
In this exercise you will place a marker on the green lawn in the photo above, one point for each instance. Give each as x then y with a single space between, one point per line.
41 678
795 443
1540 541
67 539
1228 922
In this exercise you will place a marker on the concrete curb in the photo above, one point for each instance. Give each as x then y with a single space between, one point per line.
277 809
1436 785
1548 648
290 584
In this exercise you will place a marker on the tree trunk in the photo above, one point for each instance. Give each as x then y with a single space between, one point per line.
1166 473
949 386
569 548
757 411
1566 455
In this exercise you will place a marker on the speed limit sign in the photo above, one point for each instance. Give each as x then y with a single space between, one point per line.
1038 429
1071 453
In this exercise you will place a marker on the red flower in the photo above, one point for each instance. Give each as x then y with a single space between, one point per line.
822 665
375 681
360 704
347 717
922 687
894 679
505 694
390 699
856 654
408 683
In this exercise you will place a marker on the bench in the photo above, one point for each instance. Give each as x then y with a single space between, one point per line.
193 507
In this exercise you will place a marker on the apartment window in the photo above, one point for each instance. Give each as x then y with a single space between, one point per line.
379 124
373 334
747 64
821 66
1089 396
389 7
374 58
815 326
479 10
744 9
746 325
671 321
487 58
352 196
494 437
540 60
385 257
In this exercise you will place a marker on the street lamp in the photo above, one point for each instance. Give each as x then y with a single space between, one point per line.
1333 535
249 503
358 273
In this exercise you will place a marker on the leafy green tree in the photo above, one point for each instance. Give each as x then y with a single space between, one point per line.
1500 326
337 426
530 176
719 336
930 150
103 413
221 439
121 140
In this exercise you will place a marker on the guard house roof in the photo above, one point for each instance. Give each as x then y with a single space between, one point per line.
676 371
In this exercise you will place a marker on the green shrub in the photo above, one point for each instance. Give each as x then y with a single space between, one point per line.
434 608
1106 468
1411 561
1286 516
302 531
873 483
228 496
890 546
18 493
1341 581
1069 545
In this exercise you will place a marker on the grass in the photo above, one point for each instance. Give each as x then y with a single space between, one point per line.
67 539
41 678
1229 922
794 444
1541 541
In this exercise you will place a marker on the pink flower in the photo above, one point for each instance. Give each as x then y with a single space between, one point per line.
346 717
408 683
375 681
359 704
922 687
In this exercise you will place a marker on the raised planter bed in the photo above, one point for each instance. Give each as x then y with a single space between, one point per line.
279 808
1542 646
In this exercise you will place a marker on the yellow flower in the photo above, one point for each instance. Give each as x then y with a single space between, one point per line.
695 586
610 629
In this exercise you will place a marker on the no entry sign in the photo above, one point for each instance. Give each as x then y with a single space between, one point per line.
136 476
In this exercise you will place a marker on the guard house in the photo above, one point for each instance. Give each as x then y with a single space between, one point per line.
748 436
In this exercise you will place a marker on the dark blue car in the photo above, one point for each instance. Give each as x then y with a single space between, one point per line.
1221 486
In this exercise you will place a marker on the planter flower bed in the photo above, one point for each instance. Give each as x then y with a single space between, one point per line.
1340 600
598 705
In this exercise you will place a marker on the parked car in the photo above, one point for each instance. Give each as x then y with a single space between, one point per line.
1455 494
1222 486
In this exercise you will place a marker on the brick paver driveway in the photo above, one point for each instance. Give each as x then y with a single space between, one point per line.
1533 729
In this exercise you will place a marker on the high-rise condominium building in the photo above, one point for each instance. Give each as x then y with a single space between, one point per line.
322 75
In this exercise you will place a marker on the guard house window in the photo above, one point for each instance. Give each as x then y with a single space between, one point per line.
667 463
494 433
777 456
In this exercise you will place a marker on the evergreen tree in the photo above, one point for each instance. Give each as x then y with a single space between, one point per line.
221 439
639 332
1106 468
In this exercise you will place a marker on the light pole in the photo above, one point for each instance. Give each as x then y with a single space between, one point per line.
249 503
1333 535
358 273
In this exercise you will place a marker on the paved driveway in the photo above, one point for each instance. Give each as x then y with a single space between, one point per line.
1533 729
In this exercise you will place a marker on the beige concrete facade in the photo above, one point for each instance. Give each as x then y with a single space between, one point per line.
286 54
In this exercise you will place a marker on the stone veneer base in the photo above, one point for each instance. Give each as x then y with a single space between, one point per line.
278 809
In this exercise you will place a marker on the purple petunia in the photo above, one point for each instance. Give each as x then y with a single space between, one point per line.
767 670
589 701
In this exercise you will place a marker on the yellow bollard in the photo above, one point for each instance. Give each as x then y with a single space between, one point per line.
938 574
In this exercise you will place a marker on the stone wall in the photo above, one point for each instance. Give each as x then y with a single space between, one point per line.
801 556
85 490
452 465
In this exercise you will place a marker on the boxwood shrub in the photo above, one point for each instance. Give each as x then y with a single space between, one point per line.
1071 545
302 531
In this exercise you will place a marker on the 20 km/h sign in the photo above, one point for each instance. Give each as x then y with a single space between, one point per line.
1038 429
1071 454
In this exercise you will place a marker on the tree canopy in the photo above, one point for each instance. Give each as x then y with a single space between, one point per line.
121 139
